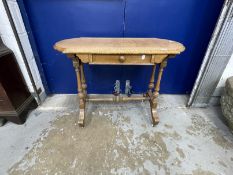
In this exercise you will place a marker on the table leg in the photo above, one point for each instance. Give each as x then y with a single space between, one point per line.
152 80
83 80
77 66
154 96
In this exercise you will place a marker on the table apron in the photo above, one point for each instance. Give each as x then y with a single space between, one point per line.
122 59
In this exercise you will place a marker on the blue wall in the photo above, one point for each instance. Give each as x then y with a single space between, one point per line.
188 21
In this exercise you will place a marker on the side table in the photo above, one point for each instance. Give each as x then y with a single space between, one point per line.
119 51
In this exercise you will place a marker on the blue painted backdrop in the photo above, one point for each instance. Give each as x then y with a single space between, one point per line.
188 21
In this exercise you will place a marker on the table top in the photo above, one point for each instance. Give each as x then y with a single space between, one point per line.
119 46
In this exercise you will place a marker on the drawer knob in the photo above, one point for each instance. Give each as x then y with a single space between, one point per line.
122 59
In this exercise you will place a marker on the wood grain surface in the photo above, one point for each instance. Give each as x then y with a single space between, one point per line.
119 46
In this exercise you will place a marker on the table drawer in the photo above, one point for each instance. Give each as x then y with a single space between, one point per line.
121 59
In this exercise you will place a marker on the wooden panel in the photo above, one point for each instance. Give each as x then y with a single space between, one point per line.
5 104
85 58
121 59
158 58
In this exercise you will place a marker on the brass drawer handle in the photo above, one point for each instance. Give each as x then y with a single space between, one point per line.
122 59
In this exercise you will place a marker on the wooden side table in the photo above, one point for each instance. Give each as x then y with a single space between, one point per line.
119 51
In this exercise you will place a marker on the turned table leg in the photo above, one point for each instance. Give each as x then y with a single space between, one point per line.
152 81
81 94
154 96
83 80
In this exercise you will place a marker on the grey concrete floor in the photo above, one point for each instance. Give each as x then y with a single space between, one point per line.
118 139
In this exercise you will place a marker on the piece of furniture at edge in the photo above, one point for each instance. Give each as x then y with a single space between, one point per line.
15 98
119 51
227 102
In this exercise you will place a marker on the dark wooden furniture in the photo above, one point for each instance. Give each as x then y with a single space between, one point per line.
15 98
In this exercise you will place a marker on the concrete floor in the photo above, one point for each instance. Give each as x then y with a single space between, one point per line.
118 139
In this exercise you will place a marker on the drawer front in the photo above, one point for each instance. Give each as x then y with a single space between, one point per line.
121 59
